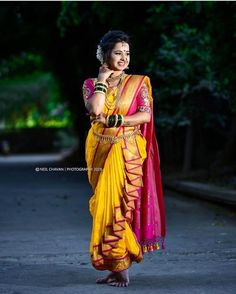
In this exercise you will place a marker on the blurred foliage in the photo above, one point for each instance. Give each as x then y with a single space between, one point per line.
188 87
22 63
69 16
186 47
28 96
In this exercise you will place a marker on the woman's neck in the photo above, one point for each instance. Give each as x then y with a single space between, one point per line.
115 80
116 73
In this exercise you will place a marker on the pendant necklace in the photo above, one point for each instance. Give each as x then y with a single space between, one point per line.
116 97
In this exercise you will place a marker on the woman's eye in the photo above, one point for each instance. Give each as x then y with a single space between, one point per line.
127 54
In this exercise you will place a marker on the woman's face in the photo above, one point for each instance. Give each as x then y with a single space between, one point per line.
120 57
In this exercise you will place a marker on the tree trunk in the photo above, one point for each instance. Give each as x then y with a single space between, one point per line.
228 157
187 163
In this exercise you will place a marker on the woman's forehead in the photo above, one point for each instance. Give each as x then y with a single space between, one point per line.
122 46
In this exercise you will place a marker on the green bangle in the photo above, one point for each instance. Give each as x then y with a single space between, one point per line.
111 121
100 89
101 84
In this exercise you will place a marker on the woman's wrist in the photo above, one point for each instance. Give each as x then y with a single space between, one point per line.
99 80
114 120
100 87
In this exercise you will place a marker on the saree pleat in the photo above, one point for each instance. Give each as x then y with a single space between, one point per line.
113 243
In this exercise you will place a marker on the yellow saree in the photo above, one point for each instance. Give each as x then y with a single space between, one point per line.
114 159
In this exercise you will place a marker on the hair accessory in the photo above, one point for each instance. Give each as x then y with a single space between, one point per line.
99 54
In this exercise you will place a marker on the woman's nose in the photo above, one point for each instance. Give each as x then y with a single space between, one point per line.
123 57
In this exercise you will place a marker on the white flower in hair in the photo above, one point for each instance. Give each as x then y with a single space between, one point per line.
99 54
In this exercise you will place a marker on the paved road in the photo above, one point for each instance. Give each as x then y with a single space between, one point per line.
44 239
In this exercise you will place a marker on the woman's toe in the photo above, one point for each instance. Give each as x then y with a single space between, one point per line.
114 284
102 280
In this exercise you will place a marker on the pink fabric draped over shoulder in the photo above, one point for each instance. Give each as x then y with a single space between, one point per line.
149 216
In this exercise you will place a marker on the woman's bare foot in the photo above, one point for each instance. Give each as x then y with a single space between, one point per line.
108 279
121 279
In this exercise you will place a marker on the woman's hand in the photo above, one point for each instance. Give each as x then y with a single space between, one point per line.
104 73
98 118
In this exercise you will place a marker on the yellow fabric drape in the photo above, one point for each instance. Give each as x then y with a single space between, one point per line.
115 173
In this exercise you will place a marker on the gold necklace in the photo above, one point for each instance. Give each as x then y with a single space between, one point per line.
111 79
110 104
116 97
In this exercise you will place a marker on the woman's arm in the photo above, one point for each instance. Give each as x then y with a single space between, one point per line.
129 120
143 114
137 119
96 101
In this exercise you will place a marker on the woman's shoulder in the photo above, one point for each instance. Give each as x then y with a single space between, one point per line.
139 76
142 78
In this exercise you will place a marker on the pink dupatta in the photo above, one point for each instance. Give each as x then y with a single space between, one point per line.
149 215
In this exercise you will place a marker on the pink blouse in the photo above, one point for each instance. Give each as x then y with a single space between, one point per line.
142 99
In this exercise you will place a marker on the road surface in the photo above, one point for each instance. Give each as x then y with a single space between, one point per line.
45 229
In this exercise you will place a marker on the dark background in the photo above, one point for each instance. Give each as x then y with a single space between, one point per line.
186 48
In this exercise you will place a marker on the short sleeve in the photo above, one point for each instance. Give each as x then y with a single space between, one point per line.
143 100
88 88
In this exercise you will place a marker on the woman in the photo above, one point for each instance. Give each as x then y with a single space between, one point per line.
123 164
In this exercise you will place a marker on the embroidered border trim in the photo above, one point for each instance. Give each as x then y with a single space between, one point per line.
115 139
144 109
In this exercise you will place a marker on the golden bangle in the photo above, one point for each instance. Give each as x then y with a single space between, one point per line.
98 91
116 120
